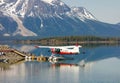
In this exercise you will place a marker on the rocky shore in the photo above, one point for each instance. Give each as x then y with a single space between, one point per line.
8 53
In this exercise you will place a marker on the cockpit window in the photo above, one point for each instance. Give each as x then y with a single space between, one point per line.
70 48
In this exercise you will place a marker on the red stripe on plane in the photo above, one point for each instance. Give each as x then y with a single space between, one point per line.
63 53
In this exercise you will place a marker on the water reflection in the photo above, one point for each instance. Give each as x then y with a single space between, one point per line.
87 55
5 64
99 64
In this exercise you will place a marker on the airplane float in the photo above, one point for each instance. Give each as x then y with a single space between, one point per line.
62 50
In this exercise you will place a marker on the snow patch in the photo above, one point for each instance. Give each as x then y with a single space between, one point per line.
81 13
35 6
41 25
58 16
1 27
31 14
6 34
11 8
61 3
21 29
2 2
49 1
22 12
87 14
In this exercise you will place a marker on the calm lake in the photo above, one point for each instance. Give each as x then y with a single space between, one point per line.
100 64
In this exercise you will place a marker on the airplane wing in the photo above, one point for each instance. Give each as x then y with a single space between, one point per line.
58 46
46 47
72 46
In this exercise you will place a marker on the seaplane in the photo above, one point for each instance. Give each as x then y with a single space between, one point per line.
62 50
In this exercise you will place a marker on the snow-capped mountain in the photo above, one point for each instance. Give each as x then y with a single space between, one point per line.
49 18
34 7
81 12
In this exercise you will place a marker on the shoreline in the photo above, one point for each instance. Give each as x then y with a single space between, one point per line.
82 40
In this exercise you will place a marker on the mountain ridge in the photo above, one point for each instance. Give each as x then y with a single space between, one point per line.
52 18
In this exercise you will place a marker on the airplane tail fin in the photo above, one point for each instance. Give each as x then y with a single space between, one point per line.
77 45
36 46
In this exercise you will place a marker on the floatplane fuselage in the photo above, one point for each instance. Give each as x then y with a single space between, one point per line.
63 50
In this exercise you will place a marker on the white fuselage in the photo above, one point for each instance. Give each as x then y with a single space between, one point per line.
63 49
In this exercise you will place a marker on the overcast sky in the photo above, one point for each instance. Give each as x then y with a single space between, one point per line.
104 10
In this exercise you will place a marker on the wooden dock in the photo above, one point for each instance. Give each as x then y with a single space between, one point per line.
9 53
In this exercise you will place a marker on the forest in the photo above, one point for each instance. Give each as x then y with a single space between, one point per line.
66 40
